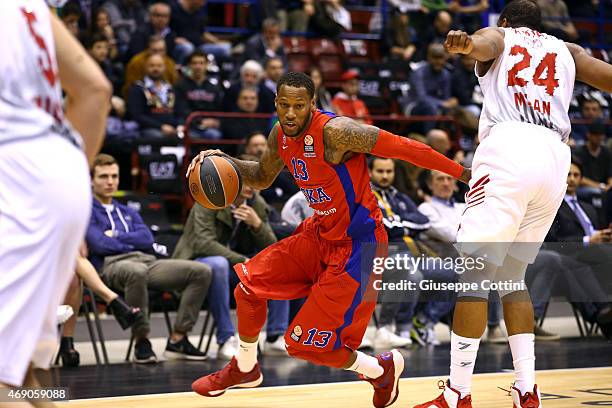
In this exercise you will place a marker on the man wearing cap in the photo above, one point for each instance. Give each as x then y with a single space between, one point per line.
346 102
596 160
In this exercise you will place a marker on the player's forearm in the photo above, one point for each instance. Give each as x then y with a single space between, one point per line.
252 174
397 147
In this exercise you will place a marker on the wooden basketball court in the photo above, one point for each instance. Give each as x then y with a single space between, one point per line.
569 388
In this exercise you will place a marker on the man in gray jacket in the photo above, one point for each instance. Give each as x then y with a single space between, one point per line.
223 238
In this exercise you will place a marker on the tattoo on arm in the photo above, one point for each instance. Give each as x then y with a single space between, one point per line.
343 134
260 175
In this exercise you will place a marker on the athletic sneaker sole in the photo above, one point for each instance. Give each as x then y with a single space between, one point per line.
251 384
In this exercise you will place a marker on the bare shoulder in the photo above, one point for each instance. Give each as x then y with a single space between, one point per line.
342 134
491 31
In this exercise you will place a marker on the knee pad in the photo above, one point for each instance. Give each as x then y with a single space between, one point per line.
251 311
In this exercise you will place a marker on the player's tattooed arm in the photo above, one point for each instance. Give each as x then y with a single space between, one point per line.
342 135
258 175
484 45
591 70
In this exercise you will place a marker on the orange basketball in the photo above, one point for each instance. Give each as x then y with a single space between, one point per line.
215 183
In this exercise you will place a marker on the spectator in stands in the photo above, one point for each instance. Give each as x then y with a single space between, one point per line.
189 21
347 103
125 17
430 89
266 44
119 245
101 25
590 109
465 86
136 68
71 13
398 41
196 92
158 24
467 13
444 215
294 15
433 34
98 47
274 69
296 209
577 222
322 97
151 101
224 238
282 187
125 315
329 19
251 76
556 20
240 128
400 215
596 161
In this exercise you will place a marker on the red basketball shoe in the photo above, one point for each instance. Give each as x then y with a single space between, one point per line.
450 398
529 400
386 387
230 376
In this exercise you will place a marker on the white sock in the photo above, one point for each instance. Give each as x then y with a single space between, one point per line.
247 356
523 356
463 357
367 365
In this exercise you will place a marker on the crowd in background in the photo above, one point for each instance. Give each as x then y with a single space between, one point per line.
165 64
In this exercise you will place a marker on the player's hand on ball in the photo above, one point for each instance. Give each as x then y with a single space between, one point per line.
458 42
200 158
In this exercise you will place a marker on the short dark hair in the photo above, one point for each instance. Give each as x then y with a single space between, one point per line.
102 159
372 159
578 163
296 80
95 38
522 13
195 54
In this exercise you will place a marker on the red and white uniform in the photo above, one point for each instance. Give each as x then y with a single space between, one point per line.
520 167
531 82
44 190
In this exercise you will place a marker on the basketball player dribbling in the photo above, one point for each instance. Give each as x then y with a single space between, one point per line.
518 183
323 259
44 178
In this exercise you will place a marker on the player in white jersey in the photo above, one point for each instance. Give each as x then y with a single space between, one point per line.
518 182
44 178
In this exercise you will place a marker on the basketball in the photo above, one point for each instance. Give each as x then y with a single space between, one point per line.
215 183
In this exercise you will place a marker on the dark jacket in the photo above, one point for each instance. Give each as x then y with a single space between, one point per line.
566 227
212 232
255 49
191 97
140 40
145 107
405 218
188 25
264 95
129 232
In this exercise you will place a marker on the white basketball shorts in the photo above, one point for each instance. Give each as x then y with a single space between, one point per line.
45 203
519 178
